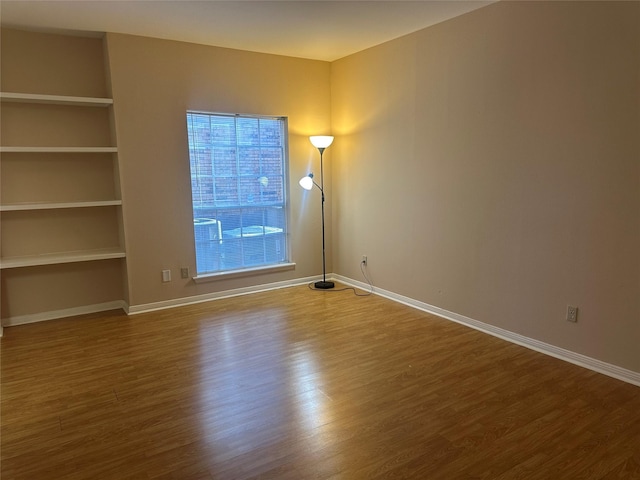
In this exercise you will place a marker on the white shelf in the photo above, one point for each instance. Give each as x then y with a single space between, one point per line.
59 149
61 257
52 206
55 99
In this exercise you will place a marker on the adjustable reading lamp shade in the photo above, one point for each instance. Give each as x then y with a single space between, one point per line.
307 182
320 142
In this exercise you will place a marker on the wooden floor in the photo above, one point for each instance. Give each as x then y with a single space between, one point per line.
301 384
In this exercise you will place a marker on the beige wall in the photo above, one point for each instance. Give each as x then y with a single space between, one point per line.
490 166
154 82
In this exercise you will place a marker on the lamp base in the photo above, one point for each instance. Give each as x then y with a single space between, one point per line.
324 285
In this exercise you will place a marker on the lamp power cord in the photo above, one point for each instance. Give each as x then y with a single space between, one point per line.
355 292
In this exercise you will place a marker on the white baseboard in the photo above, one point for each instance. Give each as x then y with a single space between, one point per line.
178 302
65 312
599 366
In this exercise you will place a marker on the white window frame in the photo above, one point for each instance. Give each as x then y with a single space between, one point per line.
217 233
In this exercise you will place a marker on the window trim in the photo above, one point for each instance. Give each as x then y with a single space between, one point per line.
286 205
244 272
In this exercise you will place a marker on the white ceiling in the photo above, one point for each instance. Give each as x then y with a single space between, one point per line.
316 29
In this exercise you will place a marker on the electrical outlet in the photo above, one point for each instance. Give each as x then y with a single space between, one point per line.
184 272
364 260
166 275
572 314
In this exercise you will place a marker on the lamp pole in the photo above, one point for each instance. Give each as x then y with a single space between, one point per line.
323 284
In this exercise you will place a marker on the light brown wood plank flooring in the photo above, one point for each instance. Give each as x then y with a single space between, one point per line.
296 384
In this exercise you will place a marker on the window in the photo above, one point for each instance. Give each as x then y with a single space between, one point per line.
238 189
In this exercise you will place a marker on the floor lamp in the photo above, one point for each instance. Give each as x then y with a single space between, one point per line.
321 142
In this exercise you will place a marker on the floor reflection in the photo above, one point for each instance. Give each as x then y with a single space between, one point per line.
312 407
257 388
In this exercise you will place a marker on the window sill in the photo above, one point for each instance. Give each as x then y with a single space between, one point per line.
248 272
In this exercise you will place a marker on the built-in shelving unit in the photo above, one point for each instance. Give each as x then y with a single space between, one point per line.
61 225
57 257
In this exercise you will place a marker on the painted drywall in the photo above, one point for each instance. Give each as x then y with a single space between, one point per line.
153 84
490 166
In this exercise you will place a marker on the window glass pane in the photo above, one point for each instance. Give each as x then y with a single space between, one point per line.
249 190
275 217
223 130
202 188
248 131
274 191
249 160
231 255
270 133
238 171
224 161
274 248
252 220
230 219
200 129
271 161
226 191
